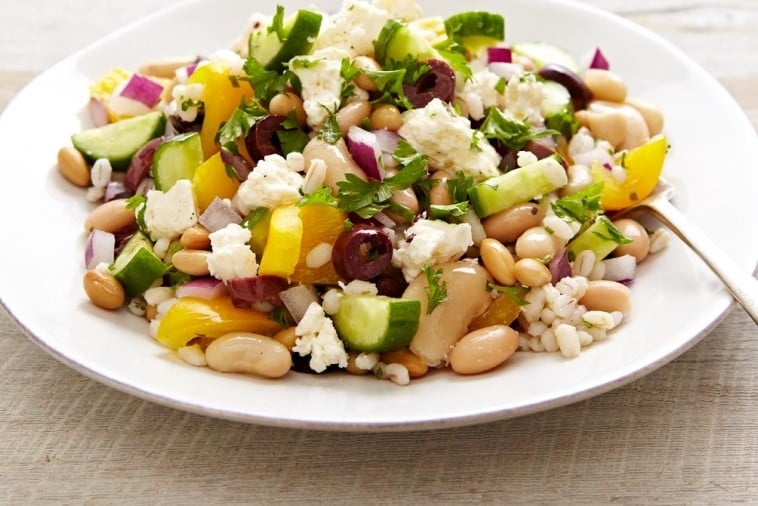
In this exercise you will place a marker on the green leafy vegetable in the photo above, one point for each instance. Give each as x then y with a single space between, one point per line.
582 206
277 24
291 137
138 203
321 196
564 122
449 212
331 132
515 293
239 124
436 290
253 217
281 316
265 83
500 85
459 187
511 132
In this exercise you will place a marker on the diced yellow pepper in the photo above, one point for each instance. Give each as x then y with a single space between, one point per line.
211 181
282 251
221 96
643 164
321 224
104 87
191 317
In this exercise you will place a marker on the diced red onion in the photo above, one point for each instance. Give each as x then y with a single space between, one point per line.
297 299
98 113
607 166
143 90
101 247
204 288
559 266
599 61
387 140
191 69
116 190
499 55
218 215
364 148
621 269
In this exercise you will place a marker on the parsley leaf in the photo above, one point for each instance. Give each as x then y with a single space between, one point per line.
564 122
254 217
239 124
281 316
367 198
291 137
582 206
451 212
139 203
515 293
456 58
611 232
511 132
277 24
321 196
436 290
500 86
458 188
265 83
331 132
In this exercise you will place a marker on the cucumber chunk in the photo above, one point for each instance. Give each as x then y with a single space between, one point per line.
299 34
542 53
376 323
518 186
477 30
396 41
602 237
177 158
119 141
556 98
137 267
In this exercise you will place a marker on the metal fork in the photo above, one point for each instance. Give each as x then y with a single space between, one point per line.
743 286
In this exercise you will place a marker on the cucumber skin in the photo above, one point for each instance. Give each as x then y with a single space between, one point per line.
477 24
396 41
137 247
401 323
119 161
189 147
593 239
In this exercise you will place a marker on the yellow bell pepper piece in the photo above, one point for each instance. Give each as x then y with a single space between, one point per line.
191 317
104 87
211 181
643 164
221 96
321 224
282 251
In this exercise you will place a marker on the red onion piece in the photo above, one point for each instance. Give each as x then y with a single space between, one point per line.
499 55
297 299
98 113
143 90
559 266
141 164
387 140
599 61
116 190
191 69
621 269
101 247
204 288
364 148
246 291
218 215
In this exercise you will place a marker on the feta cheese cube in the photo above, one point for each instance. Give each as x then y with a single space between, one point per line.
168 214
321 80
318 338
431 242
354 28
231 257
272 183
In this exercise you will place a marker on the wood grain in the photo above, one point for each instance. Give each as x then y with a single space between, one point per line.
685 434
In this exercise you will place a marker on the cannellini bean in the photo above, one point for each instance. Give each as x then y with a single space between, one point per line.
111 216
498 261
195 237
605 85
73 166
191 261
640 245
604 295
483 349
536 242
366 63
103 289
337 159
652 114
352 115
414 365
531 272
506 226
249 353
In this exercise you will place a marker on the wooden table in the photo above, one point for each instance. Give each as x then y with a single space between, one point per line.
687 433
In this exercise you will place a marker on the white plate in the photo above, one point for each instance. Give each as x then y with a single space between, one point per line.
676 299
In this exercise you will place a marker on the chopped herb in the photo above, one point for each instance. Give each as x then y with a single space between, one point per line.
190 102
291 138
623 159
139 203
436 290
331 132
239 124
176 278
254 217
511 132
613 234
450 212
322 196
582 206
135 201
587 324
500 85
515 293
457 61
281 316
347 225
564 122
459 187
367 198
400 210
277 24
265 83
476 137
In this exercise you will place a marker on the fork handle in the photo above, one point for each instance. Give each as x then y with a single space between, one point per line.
743 287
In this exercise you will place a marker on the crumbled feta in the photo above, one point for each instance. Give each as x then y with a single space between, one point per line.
449 141
585 150
168 214
318 338
524 158
231 257
186 100
272 183
231 59
354 28
321 80
523 98
480 93
431 242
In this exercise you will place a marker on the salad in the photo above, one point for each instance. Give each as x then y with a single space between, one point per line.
370 191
